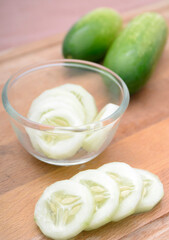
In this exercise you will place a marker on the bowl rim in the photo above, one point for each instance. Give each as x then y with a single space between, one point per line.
65 62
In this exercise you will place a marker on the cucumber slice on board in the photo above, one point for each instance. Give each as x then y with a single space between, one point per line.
106 195
64 210
152 191
130 184
94 141
85 98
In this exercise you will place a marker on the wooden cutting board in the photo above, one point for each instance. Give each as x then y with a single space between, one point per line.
141 141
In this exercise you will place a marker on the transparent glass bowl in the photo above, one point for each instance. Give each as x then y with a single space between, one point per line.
104 85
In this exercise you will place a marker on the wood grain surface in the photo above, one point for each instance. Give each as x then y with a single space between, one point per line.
142 141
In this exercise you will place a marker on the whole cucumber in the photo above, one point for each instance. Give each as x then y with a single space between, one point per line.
92 35
136 50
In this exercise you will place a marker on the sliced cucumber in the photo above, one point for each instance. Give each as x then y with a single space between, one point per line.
85 98
94 141
58 145
53 92
93 198
61 117
130 184
50 99
105 112
64 210
53 106
106 195
68 105
56 107
152 191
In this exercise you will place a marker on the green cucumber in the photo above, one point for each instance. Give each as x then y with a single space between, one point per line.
136 50
92 35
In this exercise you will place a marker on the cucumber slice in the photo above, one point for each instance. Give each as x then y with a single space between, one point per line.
50 99
130 184
61 117
52 105
109 109
53 92
106 195
56 107
57 145
152 191
85 98
94 141
64 210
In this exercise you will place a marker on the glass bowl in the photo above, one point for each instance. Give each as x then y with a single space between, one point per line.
26 85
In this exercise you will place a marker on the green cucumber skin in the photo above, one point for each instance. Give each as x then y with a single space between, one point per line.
135 52
92 35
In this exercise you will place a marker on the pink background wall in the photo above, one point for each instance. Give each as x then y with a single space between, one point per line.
23 21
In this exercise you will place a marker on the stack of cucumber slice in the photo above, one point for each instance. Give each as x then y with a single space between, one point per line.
69 105
92 198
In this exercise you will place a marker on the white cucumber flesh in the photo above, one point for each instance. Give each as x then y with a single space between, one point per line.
92 198
106 111
105 192
130 184
51 93
70 101
56 144
152 193
56 107
52 101
64 210
85 98
94 141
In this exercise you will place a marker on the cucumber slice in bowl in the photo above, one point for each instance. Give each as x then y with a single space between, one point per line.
57 144
94 141
64 209
108 109
153 191
106 195
57 107
50 100
51 105
85 98
130 184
